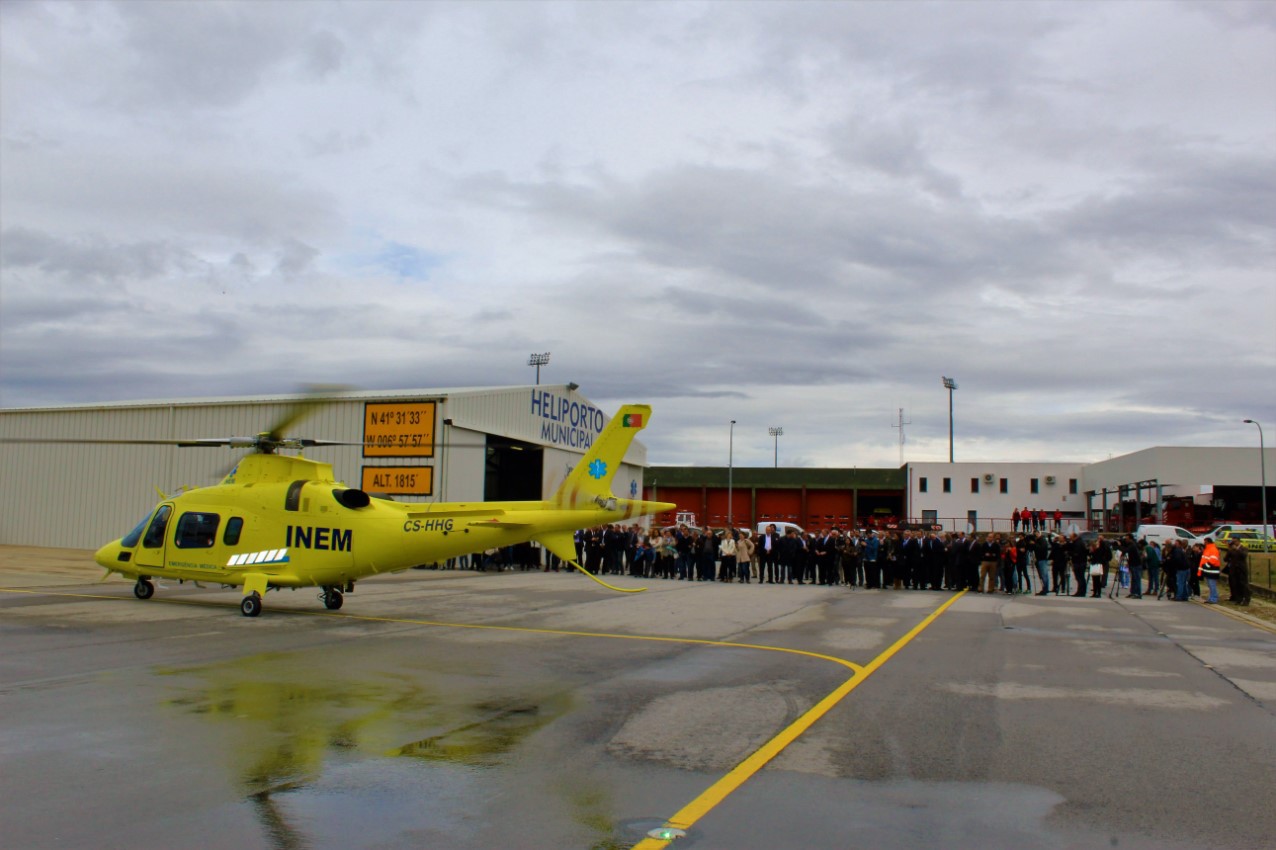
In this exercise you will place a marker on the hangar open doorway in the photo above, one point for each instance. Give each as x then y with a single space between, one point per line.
513 470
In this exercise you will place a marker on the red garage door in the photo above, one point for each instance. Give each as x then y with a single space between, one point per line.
828 509
779 506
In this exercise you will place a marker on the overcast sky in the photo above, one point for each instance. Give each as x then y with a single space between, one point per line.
787 214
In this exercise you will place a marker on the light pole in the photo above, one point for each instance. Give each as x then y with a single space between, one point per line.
951 385
1262 467
538 360
777 433
730 470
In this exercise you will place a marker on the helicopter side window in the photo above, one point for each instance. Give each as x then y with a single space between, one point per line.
155 534
234 526
197 530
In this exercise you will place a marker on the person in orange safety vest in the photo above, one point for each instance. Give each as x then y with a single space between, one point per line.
1211 566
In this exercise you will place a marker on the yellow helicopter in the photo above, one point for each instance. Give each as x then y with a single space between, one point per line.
277 521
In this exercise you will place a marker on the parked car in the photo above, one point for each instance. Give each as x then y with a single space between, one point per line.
1251 540
1219 529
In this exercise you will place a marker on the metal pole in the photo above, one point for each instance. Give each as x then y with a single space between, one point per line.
730 470
776 432
1262 467
951 385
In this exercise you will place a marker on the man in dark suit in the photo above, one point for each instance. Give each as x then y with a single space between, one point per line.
767 555
785 556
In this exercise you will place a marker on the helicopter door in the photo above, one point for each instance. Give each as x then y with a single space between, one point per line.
150 553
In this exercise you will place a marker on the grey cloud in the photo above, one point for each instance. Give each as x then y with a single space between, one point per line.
295 258
773 232
893 149
177 58
324 53
1241 14
971 51
177 194
202 53
1198 205
93 259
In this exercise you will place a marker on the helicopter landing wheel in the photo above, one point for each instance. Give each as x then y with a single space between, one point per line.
143 589
332 598
251 604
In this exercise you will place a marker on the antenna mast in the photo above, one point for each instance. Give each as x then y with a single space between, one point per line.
900 426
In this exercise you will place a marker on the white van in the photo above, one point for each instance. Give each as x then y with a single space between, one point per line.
781 528
1162 534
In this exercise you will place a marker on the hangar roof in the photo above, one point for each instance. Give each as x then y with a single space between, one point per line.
1218 465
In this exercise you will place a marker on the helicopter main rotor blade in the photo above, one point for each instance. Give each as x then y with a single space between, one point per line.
313 396
94 441
201 443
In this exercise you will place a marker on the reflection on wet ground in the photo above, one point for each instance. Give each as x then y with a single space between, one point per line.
303 745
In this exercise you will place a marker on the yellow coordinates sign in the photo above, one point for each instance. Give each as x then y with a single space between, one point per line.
399 480
398 429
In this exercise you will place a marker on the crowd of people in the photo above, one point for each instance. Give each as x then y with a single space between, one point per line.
1034 560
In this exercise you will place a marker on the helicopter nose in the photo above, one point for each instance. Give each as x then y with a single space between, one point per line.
109 555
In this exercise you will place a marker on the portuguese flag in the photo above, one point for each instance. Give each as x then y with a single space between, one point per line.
631 420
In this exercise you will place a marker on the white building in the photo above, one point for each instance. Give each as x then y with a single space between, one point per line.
506 443
1138 487
982 496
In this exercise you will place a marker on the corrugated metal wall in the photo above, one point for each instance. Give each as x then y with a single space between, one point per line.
80 496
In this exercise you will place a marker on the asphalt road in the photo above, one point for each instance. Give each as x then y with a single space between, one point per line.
517 710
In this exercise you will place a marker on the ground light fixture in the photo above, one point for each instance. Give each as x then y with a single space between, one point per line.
667 833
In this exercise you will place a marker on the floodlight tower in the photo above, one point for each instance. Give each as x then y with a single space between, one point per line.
777 433
1262 469
951 385
538 360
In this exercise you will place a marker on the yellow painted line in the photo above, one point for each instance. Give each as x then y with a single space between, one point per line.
718 791
37 591
566 633
1236 615
447 625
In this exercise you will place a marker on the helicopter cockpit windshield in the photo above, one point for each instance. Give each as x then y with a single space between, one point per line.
154 535
130 540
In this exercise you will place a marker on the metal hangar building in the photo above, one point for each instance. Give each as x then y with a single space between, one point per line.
502 443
